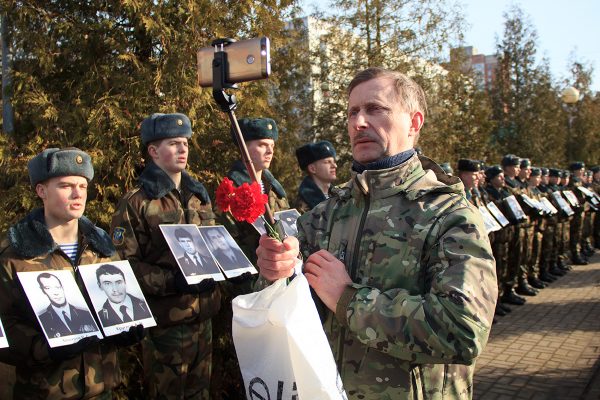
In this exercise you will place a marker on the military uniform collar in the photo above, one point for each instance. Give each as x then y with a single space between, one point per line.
310 192
239 175
30 236
157 184
415 177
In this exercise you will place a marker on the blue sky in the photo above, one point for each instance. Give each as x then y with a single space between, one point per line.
562 27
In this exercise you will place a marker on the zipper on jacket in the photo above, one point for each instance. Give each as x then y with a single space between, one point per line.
353 267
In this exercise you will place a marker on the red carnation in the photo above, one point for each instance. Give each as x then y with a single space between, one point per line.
248 202
224 194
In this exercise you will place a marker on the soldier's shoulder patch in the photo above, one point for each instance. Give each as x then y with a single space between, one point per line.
118 236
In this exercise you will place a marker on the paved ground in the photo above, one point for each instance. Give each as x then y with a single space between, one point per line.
548 348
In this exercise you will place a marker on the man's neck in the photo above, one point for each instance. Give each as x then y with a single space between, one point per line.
259 175
324 186
63 232
175 177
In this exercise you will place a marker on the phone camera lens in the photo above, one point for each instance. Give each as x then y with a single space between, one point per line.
250 59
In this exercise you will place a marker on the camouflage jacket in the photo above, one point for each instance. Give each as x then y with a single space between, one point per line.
574 183
244 233
309 195
136 235
30 247
421 306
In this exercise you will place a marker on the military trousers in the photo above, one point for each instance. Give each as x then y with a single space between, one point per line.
575 233
527 252
548 254
515 256
177 361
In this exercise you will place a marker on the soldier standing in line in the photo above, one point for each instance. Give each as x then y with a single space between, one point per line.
318 161
56 237
549 255
260 135
586 234
533 273
577 168
523 286
396 249
511 166
596 189
177 353
497 192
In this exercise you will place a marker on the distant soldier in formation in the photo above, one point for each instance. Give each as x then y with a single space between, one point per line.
317 160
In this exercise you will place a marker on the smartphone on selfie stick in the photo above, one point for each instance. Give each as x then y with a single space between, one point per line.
226 63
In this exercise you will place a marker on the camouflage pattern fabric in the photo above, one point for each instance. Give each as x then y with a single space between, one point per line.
28 246
244 233
137 237
421 306
177 361
596 224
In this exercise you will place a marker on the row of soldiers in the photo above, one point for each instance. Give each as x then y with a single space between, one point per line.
536 248
177 353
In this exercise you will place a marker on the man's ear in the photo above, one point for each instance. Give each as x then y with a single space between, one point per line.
416 122
152 151
311 168
40 190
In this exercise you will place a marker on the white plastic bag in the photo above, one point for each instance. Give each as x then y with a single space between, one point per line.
281 347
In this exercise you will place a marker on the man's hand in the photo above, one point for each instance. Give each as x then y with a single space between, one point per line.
327 276
277 259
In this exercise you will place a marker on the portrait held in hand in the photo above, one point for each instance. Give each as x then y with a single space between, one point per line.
63 320
225 250
116 296
191 252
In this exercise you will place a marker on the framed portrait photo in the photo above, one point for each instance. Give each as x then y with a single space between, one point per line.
60 307
116 296
225 250
288 219
3 341
191 253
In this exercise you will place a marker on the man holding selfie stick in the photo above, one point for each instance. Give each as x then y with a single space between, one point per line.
177 354
398 255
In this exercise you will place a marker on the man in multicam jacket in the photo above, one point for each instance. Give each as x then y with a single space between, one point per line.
86 369
176 353
398 256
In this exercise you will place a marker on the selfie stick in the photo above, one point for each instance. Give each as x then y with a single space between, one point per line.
228 104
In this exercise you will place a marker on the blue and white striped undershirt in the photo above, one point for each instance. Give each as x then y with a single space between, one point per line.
70 249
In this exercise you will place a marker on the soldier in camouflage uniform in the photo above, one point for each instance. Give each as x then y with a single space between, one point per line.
529 227
590 209
533 273
497 192
260 135
511 166
596 189
176 353
397 255
576 225
88 368
317 160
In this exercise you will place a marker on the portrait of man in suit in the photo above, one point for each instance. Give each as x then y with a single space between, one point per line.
225 251
120 306
61 318
193 262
